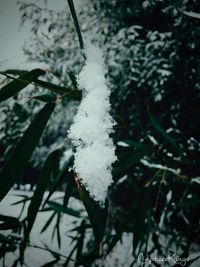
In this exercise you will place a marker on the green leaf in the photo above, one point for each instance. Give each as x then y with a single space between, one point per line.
51 263
19 83
42 184
165 135
80 243
190 14
59 209
76 23
69 189
141 214
25 199
66 264
133 143
45 98
15 263
72 94
8 222
23 150
7 245
130 158
58 230
14 72
73 79
48 222
62 176
97 215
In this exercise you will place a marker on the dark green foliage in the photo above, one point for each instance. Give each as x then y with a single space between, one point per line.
128 159
42 184
8 222
97 215
19 83
152 53
76 23
23 150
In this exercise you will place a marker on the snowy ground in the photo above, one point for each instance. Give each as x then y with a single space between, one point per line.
121 256
36 257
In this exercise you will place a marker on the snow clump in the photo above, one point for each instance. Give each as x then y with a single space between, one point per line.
92 126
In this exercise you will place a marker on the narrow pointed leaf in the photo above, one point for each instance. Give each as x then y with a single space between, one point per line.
139 220
69 189
42 184
58 230
72 94
73 79
165 135
130 158
8 222
48 222
76 23
22 201
14 72
19 83
97 215
66 264
51 263
23 150
80 243
59 209
45 98
190 14
133 144
62 176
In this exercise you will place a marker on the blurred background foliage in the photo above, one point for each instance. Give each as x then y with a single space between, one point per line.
151 50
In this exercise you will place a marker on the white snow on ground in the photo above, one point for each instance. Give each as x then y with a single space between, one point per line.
121 255
34 257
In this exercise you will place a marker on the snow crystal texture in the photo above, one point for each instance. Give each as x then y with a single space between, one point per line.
92 126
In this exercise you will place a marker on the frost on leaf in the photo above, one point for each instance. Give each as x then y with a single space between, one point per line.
92 126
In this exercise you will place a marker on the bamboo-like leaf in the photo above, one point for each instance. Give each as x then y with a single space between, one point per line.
141 214
19 83
73 79
8 222
190 14
69 189
66 264
42 184
25 199
72 94
97 215
130 158
14 72
80 243
165 135
45 98
48 222
133 144
76 23
58 230
51 263
62 176
15 263
59 209
23 150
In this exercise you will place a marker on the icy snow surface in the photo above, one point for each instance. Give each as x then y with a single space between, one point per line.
91 128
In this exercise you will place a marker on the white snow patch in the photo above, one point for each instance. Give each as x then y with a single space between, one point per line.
92 126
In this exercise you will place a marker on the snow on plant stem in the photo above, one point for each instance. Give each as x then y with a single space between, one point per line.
92 126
